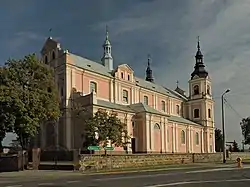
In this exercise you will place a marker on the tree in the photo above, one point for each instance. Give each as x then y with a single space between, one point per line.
245 128
28 97
218 140
103 127
235 147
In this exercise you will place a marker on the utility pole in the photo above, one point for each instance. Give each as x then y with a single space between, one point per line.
223 125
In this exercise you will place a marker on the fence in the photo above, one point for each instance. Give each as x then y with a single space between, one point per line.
108 162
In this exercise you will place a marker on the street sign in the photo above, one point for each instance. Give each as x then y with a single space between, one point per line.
94 148
109 148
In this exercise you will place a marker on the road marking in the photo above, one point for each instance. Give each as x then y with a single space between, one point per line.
211 170
166 174
197 182
14 186
134 177
45 184
70 182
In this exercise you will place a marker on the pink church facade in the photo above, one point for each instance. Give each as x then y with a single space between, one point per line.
158 119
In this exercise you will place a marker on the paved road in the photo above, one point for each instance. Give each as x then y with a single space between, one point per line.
182 178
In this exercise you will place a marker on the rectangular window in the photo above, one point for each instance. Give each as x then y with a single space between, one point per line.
163 106
177 109
196 113
125 96
93 87
122 75
209 113
145 98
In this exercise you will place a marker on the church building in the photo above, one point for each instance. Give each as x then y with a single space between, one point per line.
158 119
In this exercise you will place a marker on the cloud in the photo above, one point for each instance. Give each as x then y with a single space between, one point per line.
168 29
22 39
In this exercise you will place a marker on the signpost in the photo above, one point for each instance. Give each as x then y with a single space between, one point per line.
109 148
94 148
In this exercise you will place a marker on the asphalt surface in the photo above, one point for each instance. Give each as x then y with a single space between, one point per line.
216 177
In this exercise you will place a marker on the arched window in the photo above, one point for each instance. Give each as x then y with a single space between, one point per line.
46 60
133 124
196 113
177 109
145 100
208 90
209 113
157 127
93 87
197 138
196 90
163 106
183 137
53 55
125 96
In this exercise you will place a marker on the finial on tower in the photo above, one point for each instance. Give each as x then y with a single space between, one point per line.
149 59
177 84
107 32
50 31
198 43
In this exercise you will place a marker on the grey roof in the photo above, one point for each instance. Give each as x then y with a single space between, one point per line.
108 104
140 107
154 87
99 68
182 120
90 65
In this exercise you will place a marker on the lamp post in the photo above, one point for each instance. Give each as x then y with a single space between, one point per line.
223 125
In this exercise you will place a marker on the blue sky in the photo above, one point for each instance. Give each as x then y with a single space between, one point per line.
167 29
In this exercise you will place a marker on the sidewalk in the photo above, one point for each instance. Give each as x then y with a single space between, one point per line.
57 173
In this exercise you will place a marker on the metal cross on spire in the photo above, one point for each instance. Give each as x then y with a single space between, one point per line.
198 42
149 59
107 32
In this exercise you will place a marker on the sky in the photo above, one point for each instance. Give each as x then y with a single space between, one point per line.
165 29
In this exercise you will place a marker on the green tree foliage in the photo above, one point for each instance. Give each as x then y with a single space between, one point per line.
218 140
105 127
245 129
235 147
28 97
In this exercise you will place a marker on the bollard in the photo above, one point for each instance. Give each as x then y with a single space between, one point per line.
239 162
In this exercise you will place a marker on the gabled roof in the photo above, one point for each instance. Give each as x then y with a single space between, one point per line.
115 106
182 120
89 65
140 107
125 65
155 87
96 67
50 43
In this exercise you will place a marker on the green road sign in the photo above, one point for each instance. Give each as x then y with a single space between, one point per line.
109 148
94 148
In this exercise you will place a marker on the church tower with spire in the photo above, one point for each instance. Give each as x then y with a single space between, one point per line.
149 72
107 59
200 104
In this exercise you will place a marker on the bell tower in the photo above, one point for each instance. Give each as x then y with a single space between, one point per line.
201 104
107 59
